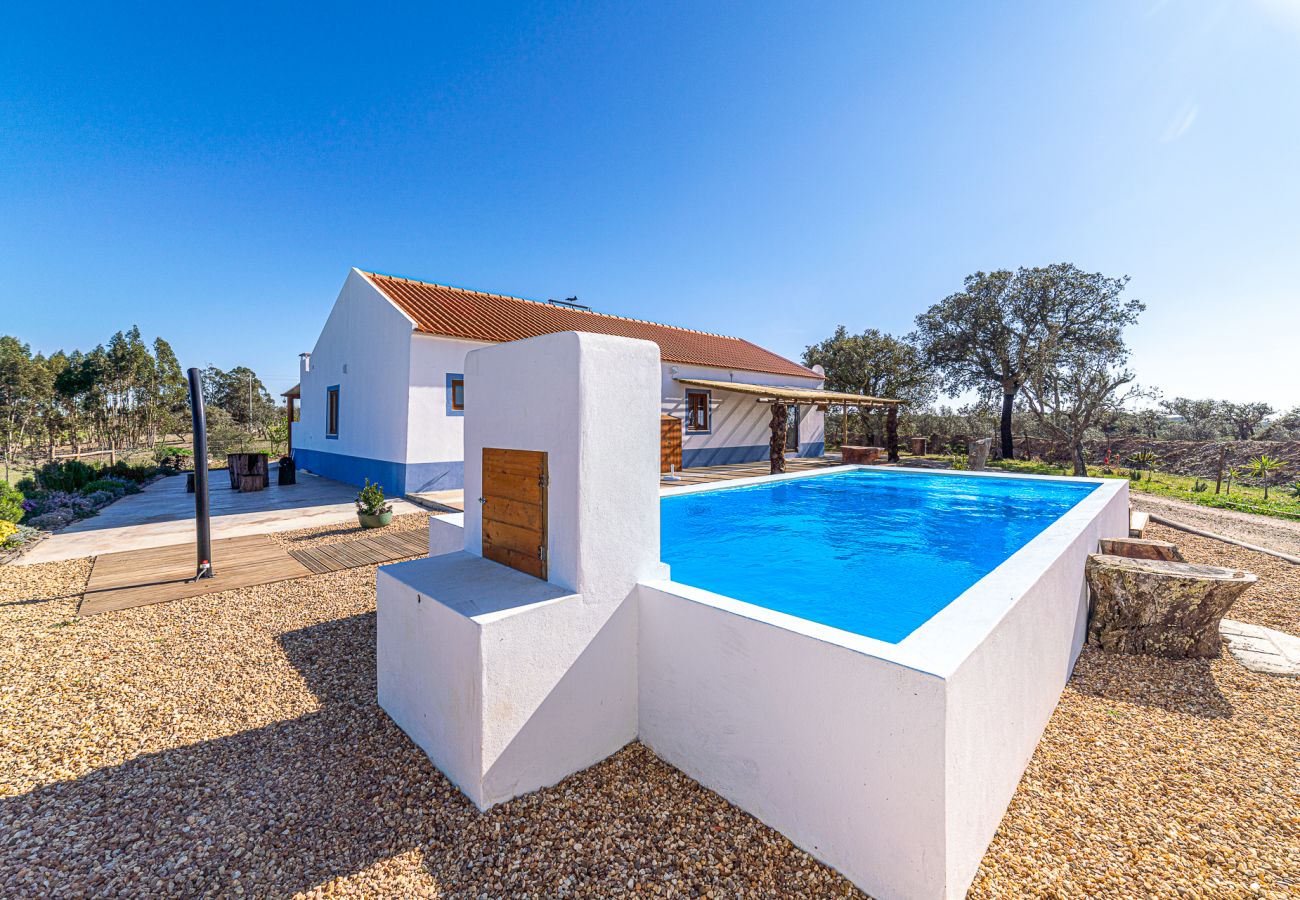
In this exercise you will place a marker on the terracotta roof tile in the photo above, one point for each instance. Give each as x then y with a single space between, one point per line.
477 316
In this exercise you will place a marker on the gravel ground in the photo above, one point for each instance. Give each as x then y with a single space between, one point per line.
1262 531
231 745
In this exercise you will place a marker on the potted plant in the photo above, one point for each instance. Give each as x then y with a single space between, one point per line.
372 510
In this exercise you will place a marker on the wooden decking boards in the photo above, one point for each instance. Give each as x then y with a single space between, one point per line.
367 551
157 575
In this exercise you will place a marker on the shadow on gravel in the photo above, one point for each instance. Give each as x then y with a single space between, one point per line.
1183 686
292 805
272 809
355 530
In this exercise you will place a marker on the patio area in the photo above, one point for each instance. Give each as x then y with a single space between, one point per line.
163 515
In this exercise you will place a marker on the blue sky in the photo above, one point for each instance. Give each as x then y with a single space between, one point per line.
767 170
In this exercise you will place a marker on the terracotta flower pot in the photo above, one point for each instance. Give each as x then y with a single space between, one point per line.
375 521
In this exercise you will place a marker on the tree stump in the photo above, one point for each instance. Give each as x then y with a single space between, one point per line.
1141 548
977 454
918 446
1160 608
248 471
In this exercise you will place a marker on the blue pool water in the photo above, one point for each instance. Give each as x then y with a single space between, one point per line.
874 553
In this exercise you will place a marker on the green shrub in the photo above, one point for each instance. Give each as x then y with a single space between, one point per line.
115 486
69 475
137 472
1135 475
1199 487
11 503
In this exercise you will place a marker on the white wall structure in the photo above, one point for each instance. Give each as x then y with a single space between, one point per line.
435 443
365 351
507 682
893 762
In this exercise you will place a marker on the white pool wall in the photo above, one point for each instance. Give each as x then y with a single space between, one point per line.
1016 661
843 753
894 763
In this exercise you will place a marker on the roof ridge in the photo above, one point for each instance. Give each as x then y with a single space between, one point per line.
589 312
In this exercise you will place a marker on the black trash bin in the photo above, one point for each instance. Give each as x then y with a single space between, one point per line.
288 471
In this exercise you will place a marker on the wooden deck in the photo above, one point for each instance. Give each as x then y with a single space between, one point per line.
367 551
707 474
157 575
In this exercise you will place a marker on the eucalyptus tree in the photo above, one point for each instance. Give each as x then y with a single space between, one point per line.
241 393
1004 327
17 380
167 397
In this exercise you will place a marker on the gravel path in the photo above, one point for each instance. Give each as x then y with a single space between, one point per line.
1262 531
231 745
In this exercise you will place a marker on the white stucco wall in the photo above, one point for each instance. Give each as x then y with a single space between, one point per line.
433 654
543 682
435 441
364 348
737 420
591 402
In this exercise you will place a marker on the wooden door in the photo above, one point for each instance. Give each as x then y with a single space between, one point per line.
514 509
670 444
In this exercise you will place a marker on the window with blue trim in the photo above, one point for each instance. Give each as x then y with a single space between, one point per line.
455 394
332 412
698 413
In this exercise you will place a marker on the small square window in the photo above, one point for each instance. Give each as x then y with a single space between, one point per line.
455 394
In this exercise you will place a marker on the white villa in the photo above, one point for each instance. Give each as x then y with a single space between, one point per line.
383 391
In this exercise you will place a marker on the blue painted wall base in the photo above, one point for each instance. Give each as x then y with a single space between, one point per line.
721 456
396 478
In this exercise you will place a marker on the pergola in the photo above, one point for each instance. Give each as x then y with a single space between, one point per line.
782 397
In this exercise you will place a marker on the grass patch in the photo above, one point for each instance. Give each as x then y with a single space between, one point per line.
1244 497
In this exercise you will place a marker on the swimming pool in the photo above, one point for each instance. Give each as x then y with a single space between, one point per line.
874 553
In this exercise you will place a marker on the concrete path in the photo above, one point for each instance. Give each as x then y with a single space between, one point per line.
163 514
1262 649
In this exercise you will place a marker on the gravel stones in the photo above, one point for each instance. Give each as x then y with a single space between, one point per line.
230 745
